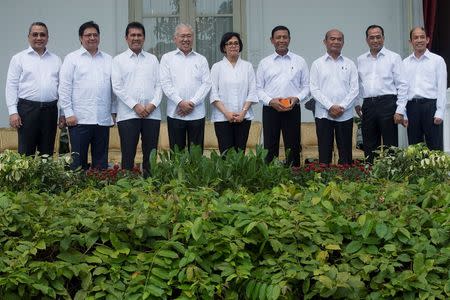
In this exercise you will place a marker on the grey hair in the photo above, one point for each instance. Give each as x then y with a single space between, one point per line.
182 25
37 24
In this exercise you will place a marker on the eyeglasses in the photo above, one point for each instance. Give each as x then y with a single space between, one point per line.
232 44
38 34
91 35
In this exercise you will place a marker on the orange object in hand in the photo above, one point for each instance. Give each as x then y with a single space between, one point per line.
285 102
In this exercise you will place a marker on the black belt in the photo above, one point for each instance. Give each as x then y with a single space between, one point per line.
381 97
421 100
39 103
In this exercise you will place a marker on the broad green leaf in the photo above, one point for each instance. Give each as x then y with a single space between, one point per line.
93 259
40 245
353 247
361 220
197 228
168 253
333 247
390 247
276 292
263 229
249 288
381 229
315 200
161 273
327 204
419 263
326 281
250 226
262 291
405 232
154 290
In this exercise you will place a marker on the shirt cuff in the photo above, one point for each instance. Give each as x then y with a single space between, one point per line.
439 114
12 110
68 113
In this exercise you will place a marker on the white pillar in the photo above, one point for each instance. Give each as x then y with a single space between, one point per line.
447 124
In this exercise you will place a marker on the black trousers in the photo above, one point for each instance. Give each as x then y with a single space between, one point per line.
38 130
326 130
129 132
179 130
83 135
421 127
288 123
378 122
232 135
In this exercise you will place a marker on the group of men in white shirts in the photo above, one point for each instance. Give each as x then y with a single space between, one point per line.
94 91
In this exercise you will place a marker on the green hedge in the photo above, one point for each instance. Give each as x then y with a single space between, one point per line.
141 240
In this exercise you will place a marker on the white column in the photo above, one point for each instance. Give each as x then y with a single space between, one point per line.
447 124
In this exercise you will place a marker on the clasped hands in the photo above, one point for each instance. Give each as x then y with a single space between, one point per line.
144 111
335 111
276 104
234 117
185 107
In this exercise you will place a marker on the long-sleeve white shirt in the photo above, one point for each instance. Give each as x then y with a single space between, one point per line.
282 76
382 75
85 87
334 82
233 86
185 77
135 79
427 78
32 77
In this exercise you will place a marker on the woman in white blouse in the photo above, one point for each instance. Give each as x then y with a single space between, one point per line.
232 95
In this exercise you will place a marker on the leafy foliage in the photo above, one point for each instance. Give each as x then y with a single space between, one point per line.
411 164
226 228
231 171
138 240
38 173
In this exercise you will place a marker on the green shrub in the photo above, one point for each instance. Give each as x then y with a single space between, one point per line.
411 164
141 240
231 171
36 173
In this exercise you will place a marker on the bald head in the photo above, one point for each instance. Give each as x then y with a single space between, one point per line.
334 31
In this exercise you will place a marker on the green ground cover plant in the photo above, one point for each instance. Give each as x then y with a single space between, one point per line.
175 236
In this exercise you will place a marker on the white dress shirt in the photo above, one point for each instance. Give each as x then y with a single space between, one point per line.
32 77
85 87
427 78
334 82
185 77
382 75
135 79
282 76
233 86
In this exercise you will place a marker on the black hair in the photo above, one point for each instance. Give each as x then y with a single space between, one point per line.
37 24
373 27
135 25
280 27
226 37
84 26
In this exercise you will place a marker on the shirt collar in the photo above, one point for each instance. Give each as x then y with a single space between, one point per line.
329 57
381 53
427 54
178 51
227 61
278 56
31 50
130 53
83 51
